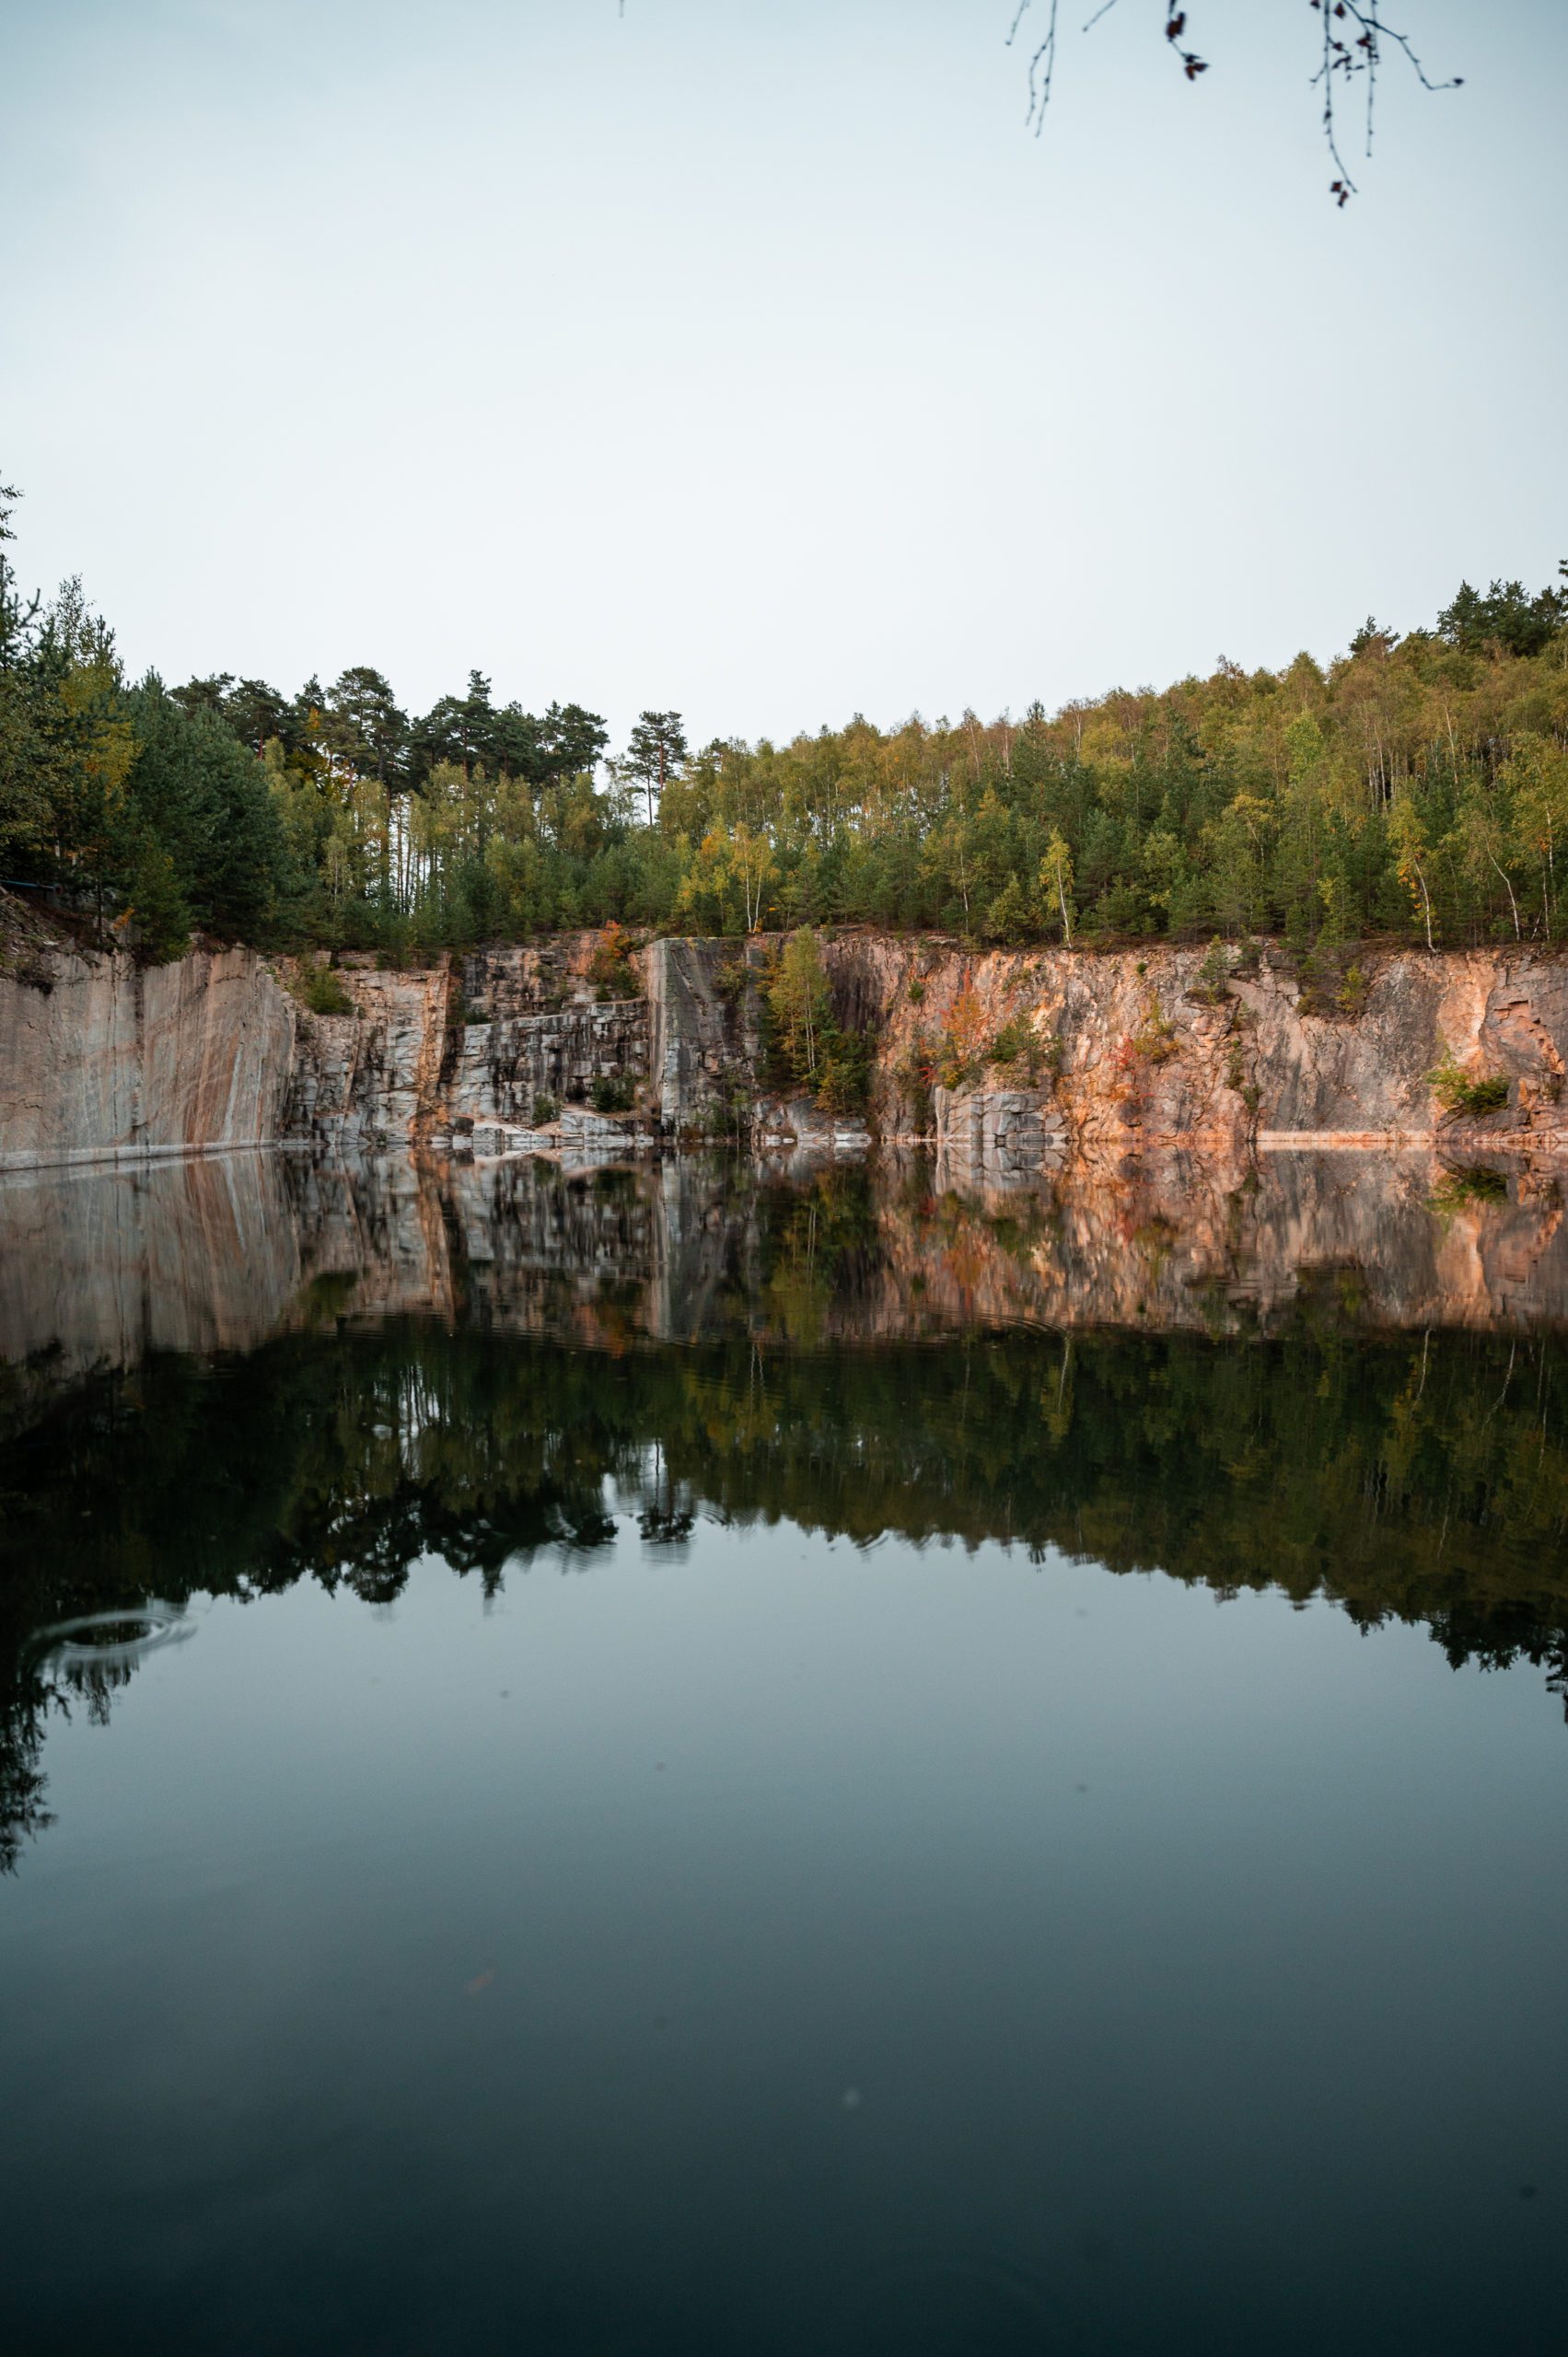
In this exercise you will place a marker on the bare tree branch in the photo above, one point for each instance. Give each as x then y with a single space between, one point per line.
1361 55
1042 63
1358 50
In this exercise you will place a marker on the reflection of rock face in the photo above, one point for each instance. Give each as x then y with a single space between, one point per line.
101 1267
1172 1240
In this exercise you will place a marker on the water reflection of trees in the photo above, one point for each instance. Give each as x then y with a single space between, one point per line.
40 1687
1424 1479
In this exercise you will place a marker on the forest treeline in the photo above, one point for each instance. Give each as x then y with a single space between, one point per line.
1415 786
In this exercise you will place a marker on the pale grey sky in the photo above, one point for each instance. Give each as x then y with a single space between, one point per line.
750 356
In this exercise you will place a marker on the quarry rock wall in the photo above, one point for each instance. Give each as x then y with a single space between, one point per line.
1129 1049
101 1058
1004 1058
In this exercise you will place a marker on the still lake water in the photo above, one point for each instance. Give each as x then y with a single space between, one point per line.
657 1763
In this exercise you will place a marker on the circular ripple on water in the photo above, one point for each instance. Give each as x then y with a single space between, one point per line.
108 1640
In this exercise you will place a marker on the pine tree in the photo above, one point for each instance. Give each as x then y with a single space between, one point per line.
656 752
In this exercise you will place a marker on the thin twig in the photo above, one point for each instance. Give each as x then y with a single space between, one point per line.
1358 51
1042 64
1363 55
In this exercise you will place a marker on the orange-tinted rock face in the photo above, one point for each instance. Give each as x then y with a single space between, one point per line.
1142 1048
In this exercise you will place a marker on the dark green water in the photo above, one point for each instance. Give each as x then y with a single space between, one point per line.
689 1768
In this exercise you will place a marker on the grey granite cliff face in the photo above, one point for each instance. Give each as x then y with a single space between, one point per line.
496 1071
428 1057
102 1060
705 1037
368 1079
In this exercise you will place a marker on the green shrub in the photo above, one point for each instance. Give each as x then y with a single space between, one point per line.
806 1044
1156 1042
1462 1095
322 991
1214 975
1331 983
611 1096
1353 992
1019 1045
955 1071
609 969
844 1076
545 1109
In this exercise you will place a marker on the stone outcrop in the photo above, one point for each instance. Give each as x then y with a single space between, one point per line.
497 1071
1004 1058
435 1057
369 1079
994 1135
1142 1049
102 1058
704 1026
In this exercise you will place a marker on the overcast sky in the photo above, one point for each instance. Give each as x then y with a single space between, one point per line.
750 356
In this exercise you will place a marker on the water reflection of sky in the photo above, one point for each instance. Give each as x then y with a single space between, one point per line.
474 1975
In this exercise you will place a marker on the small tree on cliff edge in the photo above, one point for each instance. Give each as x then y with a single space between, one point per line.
800 1006
1056 883
655 751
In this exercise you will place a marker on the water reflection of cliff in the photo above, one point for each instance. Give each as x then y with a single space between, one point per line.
1336 1378
98 1269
